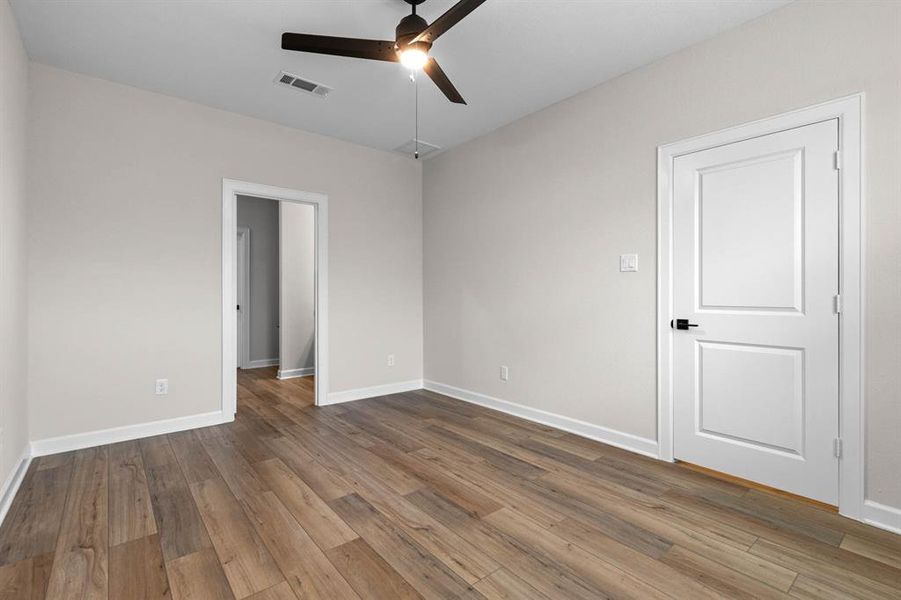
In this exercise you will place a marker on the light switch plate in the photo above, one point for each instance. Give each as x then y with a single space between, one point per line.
628 263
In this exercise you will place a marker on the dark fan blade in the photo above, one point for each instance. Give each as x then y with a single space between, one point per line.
444 84
453 16
338 46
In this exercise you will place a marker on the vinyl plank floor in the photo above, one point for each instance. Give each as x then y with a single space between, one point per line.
410 496
81 560
130 508
32 524
137 570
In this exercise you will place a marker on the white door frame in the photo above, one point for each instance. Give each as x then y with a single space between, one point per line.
231 189
849 112
244 281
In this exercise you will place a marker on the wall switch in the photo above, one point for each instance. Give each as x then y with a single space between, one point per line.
390 360
162 387
628 263
505 373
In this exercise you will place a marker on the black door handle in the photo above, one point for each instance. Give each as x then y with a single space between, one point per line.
681 324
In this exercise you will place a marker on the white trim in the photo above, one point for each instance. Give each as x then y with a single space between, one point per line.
14 482
882 516
230 190
292 373
100 437
263 362
612 437
848 111
373 391
244 349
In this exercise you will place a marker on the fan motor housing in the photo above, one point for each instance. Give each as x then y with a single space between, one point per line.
408 28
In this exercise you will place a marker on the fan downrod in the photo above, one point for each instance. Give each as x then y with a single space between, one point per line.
414 4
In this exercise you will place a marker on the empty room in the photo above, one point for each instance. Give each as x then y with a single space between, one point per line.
495 299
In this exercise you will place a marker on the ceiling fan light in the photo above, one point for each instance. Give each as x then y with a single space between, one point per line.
413 58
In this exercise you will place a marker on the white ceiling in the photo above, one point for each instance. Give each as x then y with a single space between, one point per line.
508 58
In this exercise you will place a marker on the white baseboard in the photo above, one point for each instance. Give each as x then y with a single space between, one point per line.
882 516
372 392
78 441
626 441
13 482
263 362
291 373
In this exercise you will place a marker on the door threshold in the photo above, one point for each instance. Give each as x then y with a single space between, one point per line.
756 486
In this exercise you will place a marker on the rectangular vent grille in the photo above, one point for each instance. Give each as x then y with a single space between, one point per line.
304 85
425 148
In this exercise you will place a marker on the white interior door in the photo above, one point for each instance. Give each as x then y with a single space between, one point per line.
242 251
755 271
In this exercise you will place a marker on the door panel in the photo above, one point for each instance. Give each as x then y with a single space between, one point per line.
752 393
755 257
750 213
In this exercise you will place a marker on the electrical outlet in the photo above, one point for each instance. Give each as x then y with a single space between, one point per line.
162 387
628 263
390 360
505 373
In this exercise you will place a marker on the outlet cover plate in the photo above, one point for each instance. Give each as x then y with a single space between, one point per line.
628 263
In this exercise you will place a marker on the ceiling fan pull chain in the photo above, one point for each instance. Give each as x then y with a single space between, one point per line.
416 129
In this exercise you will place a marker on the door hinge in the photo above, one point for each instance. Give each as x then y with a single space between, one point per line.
837 160
837 447
837 302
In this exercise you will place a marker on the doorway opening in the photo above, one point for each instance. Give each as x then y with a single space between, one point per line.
275 251
274 282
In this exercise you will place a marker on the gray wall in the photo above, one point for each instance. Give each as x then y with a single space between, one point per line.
124 250
261 217
297 252
13 342
524 226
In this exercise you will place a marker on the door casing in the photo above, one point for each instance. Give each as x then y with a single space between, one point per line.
849 112
231 189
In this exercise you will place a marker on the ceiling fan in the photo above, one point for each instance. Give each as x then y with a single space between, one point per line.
412 42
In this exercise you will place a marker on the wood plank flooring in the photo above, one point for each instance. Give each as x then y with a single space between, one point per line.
412 496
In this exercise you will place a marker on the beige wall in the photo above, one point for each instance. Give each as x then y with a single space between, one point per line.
124 249
13 119
297 272
524 226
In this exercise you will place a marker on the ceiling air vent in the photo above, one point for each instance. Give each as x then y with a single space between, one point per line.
303 85
425 148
